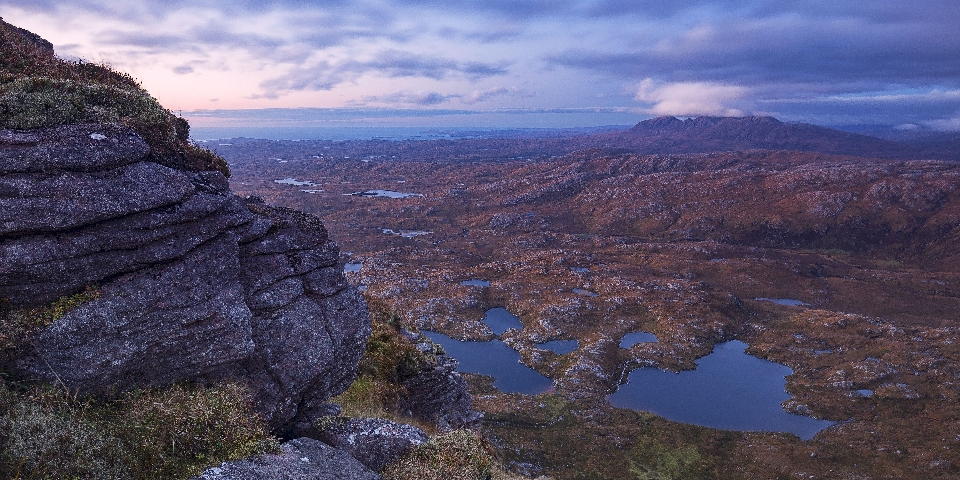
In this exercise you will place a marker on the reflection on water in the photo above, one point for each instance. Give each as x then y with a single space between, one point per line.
784 301
728 390
495 359
295 182
352 267
634 338
561 347
405 233
384 193
476 283
500 320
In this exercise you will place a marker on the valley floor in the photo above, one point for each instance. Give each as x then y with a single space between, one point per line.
687 248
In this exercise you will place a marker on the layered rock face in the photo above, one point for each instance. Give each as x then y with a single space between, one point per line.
196 284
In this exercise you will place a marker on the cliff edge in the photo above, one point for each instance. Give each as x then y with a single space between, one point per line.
101 191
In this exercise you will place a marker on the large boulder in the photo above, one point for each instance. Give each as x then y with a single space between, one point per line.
196 284
300 459
375 442
437 393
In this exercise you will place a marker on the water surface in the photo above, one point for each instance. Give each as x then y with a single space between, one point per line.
352 267
295 182
784 301
500 320
494 359
634 338
561 347
405 233
729 390
385 193
584 292
476 283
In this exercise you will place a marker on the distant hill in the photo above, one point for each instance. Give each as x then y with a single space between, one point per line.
712 134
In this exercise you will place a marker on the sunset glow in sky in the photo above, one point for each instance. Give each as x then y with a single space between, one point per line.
821 61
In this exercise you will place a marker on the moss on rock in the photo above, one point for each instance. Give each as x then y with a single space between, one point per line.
37 90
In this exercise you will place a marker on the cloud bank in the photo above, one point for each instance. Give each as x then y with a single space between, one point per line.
883 61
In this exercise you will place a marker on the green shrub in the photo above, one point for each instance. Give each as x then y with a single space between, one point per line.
388 360
171 433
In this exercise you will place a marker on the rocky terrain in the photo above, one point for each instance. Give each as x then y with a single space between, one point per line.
127 265
683 245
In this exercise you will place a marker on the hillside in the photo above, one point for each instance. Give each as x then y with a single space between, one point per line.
720 134
597 243
154 324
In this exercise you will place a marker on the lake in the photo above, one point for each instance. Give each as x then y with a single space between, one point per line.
634 338
729 390
495 359
500 320
560 347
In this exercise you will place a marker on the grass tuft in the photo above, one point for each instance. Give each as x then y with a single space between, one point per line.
458 455
171 433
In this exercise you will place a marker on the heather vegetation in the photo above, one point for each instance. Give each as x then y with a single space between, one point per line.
45 432
389 360
38 90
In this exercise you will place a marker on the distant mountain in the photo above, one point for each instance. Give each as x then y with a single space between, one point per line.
711 134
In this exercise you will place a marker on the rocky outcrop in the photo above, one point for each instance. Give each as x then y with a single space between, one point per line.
196 284
375 442
438 393
300 459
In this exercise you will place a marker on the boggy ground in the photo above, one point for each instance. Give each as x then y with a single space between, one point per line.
680 246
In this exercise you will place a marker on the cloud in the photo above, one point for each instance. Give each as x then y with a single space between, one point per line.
797 59
422 99
945 124
326 75
691 98
183 69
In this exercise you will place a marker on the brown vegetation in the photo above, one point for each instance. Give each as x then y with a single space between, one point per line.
680 246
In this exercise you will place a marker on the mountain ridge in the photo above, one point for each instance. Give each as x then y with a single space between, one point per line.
705 134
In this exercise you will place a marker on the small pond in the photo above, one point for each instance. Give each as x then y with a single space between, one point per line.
784 301
631 339
476 283
295 182
385 194
494 358
729 390
561 347
352 267
500 320
405 233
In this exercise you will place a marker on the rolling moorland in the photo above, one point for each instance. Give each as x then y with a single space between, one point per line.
679 228
154 324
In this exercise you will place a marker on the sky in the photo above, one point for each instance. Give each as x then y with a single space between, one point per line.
523 62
